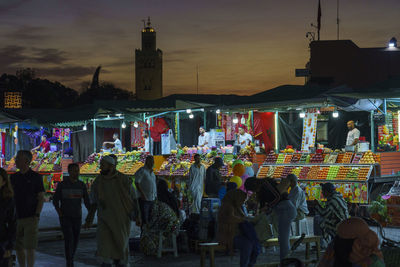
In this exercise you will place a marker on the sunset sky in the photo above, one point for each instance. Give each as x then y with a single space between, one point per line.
241 46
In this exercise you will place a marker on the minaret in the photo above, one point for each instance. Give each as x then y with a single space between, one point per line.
148 66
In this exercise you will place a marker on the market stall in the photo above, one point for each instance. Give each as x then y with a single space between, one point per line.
348 171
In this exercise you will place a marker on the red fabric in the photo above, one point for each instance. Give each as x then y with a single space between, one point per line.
159 127
264 129
137 134
45 145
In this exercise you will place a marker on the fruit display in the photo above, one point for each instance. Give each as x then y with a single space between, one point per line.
357 157
368 158
323 173
271 158
317 158
288 158
262 172
341 168
333 172
286 171
280 159
41 162
331 158
127 163
295 158
278 172
348 156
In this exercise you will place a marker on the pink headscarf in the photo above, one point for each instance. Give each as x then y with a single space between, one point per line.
366 242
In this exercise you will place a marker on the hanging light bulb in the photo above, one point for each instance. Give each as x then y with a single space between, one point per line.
188 111
218 111
191 116
302 114
135 124
335 114
123 125
235 120
84 127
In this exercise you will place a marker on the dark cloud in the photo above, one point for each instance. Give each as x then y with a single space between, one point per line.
49 55
7 5
11 55
67 71
28 33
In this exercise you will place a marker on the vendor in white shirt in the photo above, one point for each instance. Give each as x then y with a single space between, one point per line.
353 134
243 139
117 143
148 143
204 137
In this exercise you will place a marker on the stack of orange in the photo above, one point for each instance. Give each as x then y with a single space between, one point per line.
342 174
377 158
295 158
288 158
323 173
362 174
348 156
262 173
313 173
278 172
339 158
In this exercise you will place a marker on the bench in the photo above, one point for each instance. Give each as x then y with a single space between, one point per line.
273 242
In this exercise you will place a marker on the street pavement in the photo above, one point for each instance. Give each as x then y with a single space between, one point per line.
51 253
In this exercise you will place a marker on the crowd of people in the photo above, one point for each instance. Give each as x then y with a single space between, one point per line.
151 205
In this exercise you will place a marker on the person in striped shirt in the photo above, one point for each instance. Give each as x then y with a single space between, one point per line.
335 211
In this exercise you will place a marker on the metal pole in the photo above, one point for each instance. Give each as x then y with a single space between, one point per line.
178 134
372 131
94 135
205 119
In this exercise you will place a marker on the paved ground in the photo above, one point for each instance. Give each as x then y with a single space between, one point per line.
51 253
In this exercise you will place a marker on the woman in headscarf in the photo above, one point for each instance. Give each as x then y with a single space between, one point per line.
230 217
355 245
164 218
167 197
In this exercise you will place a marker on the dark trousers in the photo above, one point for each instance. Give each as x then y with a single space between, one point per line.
4 262
71 228
145 210
248 251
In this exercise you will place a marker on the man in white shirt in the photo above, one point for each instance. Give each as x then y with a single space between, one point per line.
353 135
148 143
117 143
204 137
243 139
197 176
145 181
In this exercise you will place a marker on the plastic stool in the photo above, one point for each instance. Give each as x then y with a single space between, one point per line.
299 227
210 247
161 247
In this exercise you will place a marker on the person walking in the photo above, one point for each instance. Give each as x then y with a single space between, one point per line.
113 197
145 181
197 176
213 178
29 198
67 201
8 219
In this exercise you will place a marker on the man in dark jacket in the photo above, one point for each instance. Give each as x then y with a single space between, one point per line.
70 193
213 178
